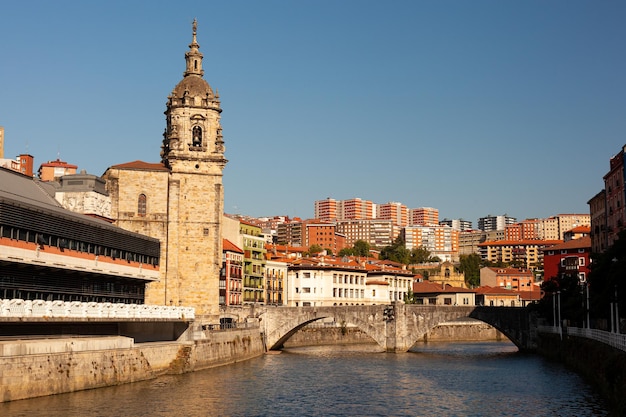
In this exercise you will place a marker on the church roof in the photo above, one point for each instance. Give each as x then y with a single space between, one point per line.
141 166
194 86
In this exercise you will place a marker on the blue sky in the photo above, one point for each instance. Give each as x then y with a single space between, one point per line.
473 107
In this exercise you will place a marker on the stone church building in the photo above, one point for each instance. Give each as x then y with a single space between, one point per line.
180 200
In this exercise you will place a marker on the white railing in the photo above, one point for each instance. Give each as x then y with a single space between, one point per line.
76 309
615 340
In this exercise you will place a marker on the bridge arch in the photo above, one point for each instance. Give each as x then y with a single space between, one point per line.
278 328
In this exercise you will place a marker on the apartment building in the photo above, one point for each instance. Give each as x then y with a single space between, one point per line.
398 279
526 253
599 233
310 232
423 216
469 240
378 233
355 209
516 279
398 213
568 258
275 280
524 230
326 281
326 210
22 164
253 263
457 224
615 194
431 293
555 227
53 170
490 223
321 234
231 274
441 241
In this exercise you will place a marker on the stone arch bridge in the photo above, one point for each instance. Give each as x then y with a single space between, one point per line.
395 327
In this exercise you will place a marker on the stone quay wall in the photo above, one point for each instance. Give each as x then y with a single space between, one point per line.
601 365
33 368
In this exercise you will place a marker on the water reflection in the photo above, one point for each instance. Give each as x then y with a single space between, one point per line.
437 379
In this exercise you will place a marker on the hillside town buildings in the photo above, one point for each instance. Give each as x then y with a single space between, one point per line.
517 279
572 257
607 206
186 251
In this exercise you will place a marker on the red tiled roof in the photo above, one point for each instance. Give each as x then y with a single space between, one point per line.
520 242
141 165
580 243
227 245
494 290
432 288
509 271
58 163
581 229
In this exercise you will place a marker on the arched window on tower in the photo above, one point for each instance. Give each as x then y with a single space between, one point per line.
197 136
142 205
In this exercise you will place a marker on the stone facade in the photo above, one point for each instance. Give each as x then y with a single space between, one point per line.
180 200
449 275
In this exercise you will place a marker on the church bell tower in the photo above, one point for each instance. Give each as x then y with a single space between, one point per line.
193 151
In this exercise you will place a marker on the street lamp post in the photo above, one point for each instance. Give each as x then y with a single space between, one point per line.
588 320
558 296
616 312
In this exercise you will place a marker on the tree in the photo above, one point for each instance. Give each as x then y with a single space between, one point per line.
409 297
314 249
470 266
396 252
420 255
606 279
346 252
361 248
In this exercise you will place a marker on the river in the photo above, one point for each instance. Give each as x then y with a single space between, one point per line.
436 379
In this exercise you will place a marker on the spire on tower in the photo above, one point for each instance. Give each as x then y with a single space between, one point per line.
194 56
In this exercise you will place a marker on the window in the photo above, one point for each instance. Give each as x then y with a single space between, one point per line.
142 205
581 261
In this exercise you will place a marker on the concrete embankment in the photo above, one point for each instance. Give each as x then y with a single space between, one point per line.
38 367
602 366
